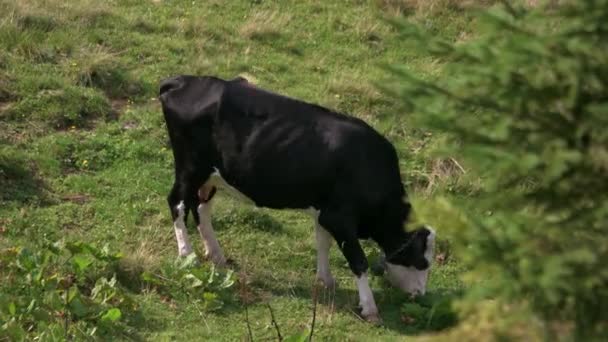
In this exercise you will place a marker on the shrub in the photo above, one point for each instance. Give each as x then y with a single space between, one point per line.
525 104
188 280
60 291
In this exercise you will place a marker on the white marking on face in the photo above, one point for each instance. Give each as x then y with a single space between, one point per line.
183 245
324 241
366 297
408 279
217 180
213 251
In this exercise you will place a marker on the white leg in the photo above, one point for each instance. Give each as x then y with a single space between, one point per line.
324 240
369 311
213 251
179 225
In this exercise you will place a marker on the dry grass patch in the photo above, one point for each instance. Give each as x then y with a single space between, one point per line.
443 170
48 14
371 29
428 7
264 24
151 241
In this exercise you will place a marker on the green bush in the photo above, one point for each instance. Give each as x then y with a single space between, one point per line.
187 279
61 291
524 104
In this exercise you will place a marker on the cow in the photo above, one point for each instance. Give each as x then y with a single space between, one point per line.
277 152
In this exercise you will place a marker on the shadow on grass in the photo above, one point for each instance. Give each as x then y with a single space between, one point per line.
431 312
247 219
19 181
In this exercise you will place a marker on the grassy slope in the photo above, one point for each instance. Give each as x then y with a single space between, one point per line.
84 153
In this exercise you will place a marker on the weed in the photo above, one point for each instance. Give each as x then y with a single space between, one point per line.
62 290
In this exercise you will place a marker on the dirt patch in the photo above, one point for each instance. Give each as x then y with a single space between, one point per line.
76 198
118 106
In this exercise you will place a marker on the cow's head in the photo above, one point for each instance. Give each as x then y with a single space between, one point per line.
408 267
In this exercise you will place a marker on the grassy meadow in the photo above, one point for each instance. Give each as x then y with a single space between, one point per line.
84 154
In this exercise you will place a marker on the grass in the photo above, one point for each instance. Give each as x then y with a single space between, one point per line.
84 153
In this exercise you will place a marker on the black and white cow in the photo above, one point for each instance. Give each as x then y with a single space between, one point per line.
277 152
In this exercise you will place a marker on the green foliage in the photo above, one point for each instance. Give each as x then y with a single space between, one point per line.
62 290
524 103
432 311
186 279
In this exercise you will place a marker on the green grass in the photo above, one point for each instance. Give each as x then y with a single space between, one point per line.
84 153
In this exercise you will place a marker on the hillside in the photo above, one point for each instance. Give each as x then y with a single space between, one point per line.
84 159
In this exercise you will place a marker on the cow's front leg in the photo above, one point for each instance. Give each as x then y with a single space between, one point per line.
213 251
342 227
324 240
358 264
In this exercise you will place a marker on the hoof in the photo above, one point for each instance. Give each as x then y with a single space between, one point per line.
373 319
184 252
328 282
370 317
217 260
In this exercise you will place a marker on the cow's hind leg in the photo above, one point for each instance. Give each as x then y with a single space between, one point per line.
179 210
343 226
324 241
213 251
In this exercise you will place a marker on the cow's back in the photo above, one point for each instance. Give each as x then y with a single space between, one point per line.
289 153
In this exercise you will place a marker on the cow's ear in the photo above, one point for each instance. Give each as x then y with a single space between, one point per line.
239 79
191 97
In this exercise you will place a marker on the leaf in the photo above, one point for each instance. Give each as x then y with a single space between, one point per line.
211 302
53 300
194 281
112 315
190 261
211 275
228 280
14 330
26 260
82 262
299 337
78 308
12 309
31 306
150 278
209 296
77 247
